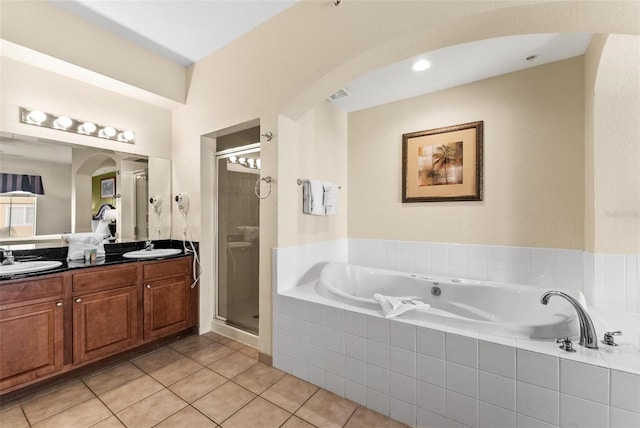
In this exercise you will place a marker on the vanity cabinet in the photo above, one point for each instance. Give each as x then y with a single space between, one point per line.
105 320
31 330
168 297
56 323
104 324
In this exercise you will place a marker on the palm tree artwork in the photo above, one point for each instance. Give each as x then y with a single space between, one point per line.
441 164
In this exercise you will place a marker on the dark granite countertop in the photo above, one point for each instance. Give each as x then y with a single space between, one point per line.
113 256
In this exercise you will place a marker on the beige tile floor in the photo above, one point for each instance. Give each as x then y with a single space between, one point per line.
199 381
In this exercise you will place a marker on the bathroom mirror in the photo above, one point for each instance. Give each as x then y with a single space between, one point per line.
76 182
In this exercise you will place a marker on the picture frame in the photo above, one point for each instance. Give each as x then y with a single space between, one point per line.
443 164
108 187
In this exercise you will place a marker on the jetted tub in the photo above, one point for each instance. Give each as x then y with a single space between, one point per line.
482 306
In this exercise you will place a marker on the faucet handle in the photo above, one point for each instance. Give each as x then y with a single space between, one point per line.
609 338
567 345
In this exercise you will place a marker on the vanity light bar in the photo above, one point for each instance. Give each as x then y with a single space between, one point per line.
246 162
65 123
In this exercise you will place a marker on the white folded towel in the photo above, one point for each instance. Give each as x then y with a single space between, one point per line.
330 199
394 306
78 242
312 197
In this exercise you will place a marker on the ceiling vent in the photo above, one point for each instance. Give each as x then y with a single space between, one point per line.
339 94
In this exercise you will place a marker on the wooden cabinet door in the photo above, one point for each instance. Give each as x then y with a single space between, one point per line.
167 307
104 324
31 342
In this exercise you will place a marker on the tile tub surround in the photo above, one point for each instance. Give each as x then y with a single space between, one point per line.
610 283
433 376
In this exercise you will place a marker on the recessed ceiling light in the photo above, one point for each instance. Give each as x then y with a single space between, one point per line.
421 65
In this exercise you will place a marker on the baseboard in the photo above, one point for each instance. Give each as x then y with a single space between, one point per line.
247 338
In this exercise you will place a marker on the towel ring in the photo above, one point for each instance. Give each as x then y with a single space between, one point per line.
256 188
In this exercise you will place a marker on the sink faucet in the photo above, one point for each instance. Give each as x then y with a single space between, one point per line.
588 337
6 257
148 245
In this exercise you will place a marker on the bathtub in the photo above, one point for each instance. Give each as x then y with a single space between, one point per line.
485 307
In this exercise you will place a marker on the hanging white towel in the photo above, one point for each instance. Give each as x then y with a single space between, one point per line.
394 306
312 197
330 199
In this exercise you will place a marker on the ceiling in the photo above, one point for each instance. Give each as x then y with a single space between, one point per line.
33 148
185 31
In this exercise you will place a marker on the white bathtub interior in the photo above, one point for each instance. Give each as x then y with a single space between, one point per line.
502 309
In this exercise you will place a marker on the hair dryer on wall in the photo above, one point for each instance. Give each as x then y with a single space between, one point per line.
183 202
156 203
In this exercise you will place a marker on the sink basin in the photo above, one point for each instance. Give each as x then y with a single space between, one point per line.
28 267
152 254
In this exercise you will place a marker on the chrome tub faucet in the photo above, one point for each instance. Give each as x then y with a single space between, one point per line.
588 336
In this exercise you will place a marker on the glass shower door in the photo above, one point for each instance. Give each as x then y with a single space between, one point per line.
141 217
238 211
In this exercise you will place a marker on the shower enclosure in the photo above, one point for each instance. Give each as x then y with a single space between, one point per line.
141 206
238 219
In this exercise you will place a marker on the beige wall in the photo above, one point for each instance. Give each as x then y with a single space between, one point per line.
533 162
41 26
314 147
24 85
591 62
616 134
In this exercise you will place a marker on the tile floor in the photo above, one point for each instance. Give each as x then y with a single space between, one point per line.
199 381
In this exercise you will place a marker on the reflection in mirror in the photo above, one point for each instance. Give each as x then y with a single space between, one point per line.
25 214
84 189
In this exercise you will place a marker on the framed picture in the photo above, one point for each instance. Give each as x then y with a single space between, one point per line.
443 164
108 187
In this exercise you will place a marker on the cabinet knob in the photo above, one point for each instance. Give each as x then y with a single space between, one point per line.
78 300
148 285
59 304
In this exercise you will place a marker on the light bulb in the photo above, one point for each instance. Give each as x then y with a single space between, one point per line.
63 122
258 163
87 128
37 116
252 162
233 159
421 65
107 132
126 136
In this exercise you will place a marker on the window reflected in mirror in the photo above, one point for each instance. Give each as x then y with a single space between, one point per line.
18 216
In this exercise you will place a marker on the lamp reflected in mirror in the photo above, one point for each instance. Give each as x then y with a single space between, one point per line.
111 217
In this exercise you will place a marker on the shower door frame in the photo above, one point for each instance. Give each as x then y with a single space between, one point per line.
225 154
136 227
